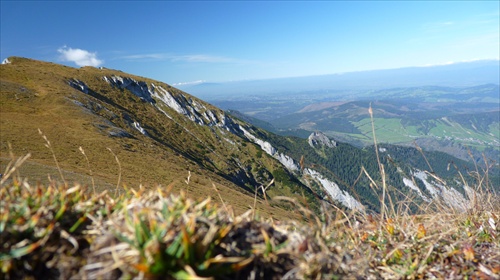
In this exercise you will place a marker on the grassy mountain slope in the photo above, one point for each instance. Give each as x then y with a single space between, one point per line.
185 143
137 132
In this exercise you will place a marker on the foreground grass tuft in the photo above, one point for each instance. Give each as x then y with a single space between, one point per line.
58 231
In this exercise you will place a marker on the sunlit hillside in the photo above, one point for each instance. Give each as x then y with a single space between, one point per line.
107 175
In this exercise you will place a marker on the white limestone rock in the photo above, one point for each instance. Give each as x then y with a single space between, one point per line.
319 139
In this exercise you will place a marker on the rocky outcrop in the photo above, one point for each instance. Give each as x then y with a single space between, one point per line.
79 85
449 195
410 184
333 190
438 190
139 88
319 139
186 106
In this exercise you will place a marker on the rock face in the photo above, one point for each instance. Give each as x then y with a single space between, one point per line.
190 108
79 85
139 88
318 139
334 191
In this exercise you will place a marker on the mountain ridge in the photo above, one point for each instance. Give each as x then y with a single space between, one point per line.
87 108
160 133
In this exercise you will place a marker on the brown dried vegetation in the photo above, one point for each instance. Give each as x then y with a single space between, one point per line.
58 231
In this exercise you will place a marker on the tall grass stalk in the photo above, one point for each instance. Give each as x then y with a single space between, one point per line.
12 167
383 206
231 213
90 169
119 170
49 146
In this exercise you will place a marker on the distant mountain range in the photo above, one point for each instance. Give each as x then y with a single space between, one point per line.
453 108
125 130
462 74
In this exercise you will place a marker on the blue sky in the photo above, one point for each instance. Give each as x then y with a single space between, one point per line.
178 42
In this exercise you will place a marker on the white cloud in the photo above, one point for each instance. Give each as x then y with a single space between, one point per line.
204 58
189 83
190 58
79 57
151 56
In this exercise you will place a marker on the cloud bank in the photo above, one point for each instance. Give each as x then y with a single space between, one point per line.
79 57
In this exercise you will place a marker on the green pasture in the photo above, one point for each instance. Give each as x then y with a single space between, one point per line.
391 130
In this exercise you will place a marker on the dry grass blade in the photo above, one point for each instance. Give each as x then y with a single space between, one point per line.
12 167
383 208
49 146
423 155
222 200
119 171
88 165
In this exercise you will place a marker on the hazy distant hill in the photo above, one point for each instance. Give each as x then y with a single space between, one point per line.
452 108
461 74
